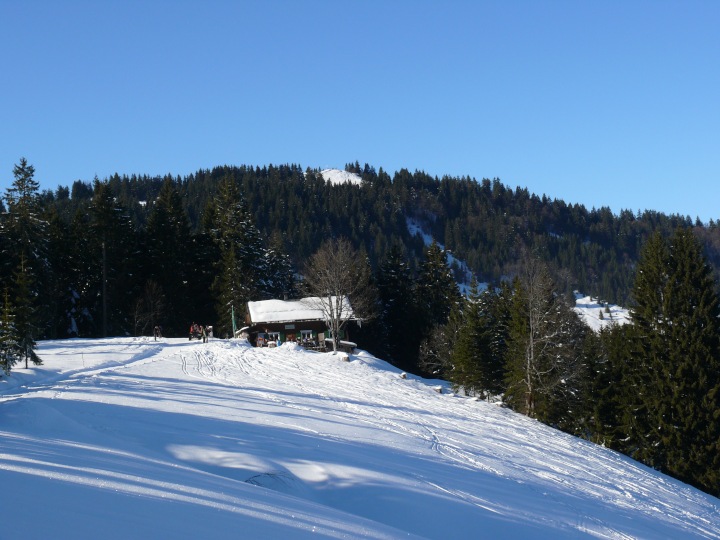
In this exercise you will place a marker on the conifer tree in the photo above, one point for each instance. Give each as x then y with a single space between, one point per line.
26 231
398 316
24 221
277 274
675 370
240 249
231 291
111 287
609 393
496 315
168 244
436 289
25 326
467 366
478 355
438 297
435 353
10 351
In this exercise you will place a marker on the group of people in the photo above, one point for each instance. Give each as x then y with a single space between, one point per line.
199 331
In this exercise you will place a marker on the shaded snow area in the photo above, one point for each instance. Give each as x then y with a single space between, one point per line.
131 438
597 314
336 176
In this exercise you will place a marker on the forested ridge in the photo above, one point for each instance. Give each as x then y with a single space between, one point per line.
121 255
484 223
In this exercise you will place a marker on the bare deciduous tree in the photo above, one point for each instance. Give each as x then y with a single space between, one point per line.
150 308
337 277
545 361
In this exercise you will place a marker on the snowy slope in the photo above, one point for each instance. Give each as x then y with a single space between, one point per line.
130 438
598 315
336 176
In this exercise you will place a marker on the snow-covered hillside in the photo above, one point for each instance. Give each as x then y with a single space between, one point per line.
337 176
131 438
597 314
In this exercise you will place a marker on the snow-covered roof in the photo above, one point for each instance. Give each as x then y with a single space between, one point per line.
305 309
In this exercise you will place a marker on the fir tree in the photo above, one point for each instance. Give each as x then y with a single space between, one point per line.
496 316
113 248
467 361
26 230
398 311
437 297
436 288
25 327
168 248
10 350
675 370
241 250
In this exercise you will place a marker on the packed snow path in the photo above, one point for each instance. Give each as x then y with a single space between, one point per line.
184 440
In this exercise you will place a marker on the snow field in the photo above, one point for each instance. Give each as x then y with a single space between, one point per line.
183 439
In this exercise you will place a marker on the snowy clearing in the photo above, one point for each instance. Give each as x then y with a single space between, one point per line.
119 438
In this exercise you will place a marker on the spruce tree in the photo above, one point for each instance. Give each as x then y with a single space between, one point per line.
468 368
240 249
610 391
496 315
25 326
438 297
436 289
26 230
675 425
10 350
112 285
398 315
168 245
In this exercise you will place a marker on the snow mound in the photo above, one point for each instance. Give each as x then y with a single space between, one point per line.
336 176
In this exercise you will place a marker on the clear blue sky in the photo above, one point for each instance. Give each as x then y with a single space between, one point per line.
605 103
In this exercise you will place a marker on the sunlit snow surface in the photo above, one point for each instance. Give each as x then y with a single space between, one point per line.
131 438
598 314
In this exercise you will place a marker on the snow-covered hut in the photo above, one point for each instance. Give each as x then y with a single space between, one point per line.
302 321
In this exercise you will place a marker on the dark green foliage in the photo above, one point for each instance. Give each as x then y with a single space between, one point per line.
113 252
609 391
478 357
168 265
436 349
437 291
483 223
26 232
398 318
25 313
466 363
238 273
10 350
437 296
674 371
